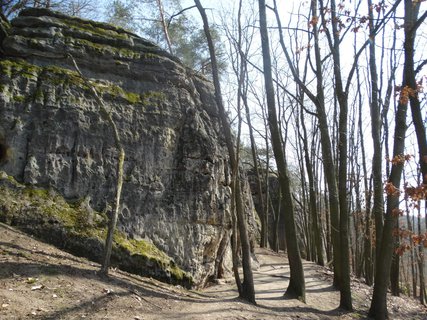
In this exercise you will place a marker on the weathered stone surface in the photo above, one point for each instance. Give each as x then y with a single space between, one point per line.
176 192
4 27
80 230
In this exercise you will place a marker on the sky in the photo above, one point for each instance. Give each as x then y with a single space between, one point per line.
216 8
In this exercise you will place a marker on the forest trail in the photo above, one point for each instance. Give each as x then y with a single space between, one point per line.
39 281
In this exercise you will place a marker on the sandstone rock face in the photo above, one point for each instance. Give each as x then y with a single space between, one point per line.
4 27
176 191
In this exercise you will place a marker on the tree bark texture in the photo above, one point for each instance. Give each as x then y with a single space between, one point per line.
296 288
248 291
378 308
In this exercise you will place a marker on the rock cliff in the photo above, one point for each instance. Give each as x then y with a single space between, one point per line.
176 192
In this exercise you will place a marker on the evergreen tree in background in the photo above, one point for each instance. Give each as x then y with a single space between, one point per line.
120 14
188 41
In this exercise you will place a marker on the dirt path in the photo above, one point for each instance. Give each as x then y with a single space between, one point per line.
271 280
38 281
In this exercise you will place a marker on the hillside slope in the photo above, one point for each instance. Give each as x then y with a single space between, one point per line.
38 281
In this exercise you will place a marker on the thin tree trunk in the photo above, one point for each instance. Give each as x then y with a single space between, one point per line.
248 292
119 172
368 252
395 264
329 247
115 213
378 307
268 203
327 152
243 70
367 249
276 213
420 255
234 244
342 97
378 208
312 194
296 286
164 26
411 253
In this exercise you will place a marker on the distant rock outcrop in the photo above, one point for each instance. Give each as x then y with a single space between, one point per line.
176 191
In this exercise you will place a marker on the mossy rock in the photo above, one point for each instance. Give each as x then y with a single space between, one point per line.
18 67
58 76
73 227
4 28
103 29
101 49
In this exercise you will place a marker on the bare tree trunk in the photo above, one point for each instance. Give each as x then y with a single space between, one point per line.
378 208
342 96
235 243
119 172
420 256
268 202
296 286
329 247
243 94
420 130
412 262
113 219
263 212
368 262
248 291
312 194
327 152
378 307
395 265
276 212
164 26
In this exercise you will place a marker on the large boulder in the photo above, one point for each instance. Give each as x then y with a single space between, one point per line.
176 192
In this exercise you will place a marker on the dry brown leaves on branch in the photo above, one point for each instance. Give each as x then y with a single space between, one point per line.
414 240
314 20
396 212
416 193
400 159
406 92
391 190
400 250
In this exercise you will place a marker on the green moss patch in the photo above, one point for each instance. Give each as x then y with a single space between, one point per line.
116 92
59 76
71 226
103 49
98 28
89 27
18 67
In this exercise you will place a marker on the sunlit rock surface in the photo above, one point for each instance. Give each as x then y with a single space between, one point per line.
176 191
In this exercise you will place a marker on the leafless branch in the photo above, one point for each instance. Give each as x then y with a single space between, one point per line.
178 13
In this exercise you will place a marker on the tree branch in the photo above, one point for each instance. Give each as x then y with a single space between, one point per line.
419 22
420 66
178 13
374 33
